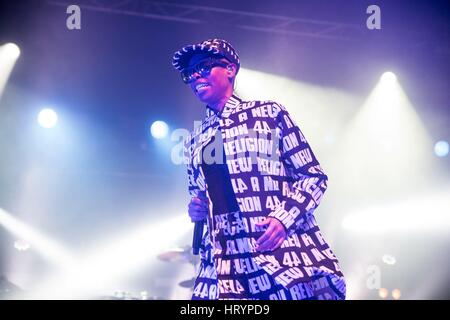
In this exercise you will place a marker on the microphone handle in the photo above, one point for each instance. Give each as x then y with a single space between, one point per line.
197 238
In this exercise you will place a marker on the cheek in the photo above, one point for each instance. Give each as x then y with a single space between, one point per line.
219 79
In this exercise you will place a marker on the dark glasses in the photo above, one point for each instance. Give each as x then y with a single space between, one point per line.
203 68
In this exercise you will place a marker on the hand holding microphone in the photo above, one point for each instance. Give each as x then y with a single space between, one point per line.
198 210
198 207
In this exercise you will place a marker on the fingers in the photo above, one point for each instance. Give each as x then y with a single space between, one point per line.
197 215
194 206
200 201
269 242
266 235
273 237
278 244
198 207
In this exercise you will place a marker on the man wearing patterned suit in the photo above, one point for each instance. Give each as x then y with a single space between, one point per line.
254 178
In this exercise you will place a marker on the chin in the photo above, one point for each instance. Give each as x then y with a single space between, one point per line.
204 99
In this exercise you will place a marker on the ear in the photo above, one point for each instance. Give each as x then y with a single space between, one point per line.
231 70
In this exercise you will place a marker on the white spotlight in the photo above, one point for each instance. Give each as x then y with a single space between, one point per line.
403 216
31 237
47 118
441 148
383 293
159 129
112 261
12 51
396 294
21 245
389 259
8 56
388 77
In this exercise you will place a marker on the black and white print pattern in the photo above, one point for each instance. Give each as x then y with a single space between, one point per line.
217 47
273 173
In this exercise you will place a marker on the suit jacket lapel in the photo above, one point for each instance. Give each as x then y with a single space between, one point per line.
202 136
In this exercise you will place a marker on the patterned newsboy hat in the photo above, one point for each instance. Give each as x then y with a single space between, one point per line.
216 47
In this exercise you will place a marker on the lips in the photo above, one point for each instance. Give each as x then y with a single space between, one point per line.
201 86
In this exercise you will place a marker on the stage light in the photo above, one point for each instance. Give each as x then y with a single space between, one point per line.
159 129
388 77
389 259
8 55
118 294
404 216
21 245
383 293
315 114
119 257
144 295
12 51
47 118
441 148
396 294
389 147
29 236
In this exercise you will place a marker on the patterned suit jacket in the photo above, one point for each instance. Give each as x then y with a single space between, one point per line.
274 173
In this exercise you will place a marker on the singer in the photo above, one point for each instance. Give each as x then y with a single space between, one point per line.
255 181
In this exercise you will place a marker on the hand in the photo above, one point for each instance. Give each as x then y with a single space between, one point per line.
273 237
198 207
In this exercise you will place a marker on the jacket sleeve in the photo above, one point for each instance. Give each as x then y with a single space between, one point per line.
307 180
193 185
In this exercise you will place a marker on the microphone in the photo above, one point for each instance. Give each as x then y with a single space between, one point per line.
198 228
197 238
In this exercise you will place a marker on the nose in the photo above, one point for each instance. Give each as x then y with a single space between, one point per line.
194 76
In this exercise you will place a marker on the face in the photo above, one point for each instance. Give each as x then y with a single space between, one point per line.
213 87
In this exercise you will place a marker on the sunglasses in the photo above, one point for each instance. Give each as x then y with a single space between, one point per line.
203 68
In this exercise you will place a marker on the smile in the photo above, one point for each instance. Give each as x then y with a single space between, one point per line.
201 86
